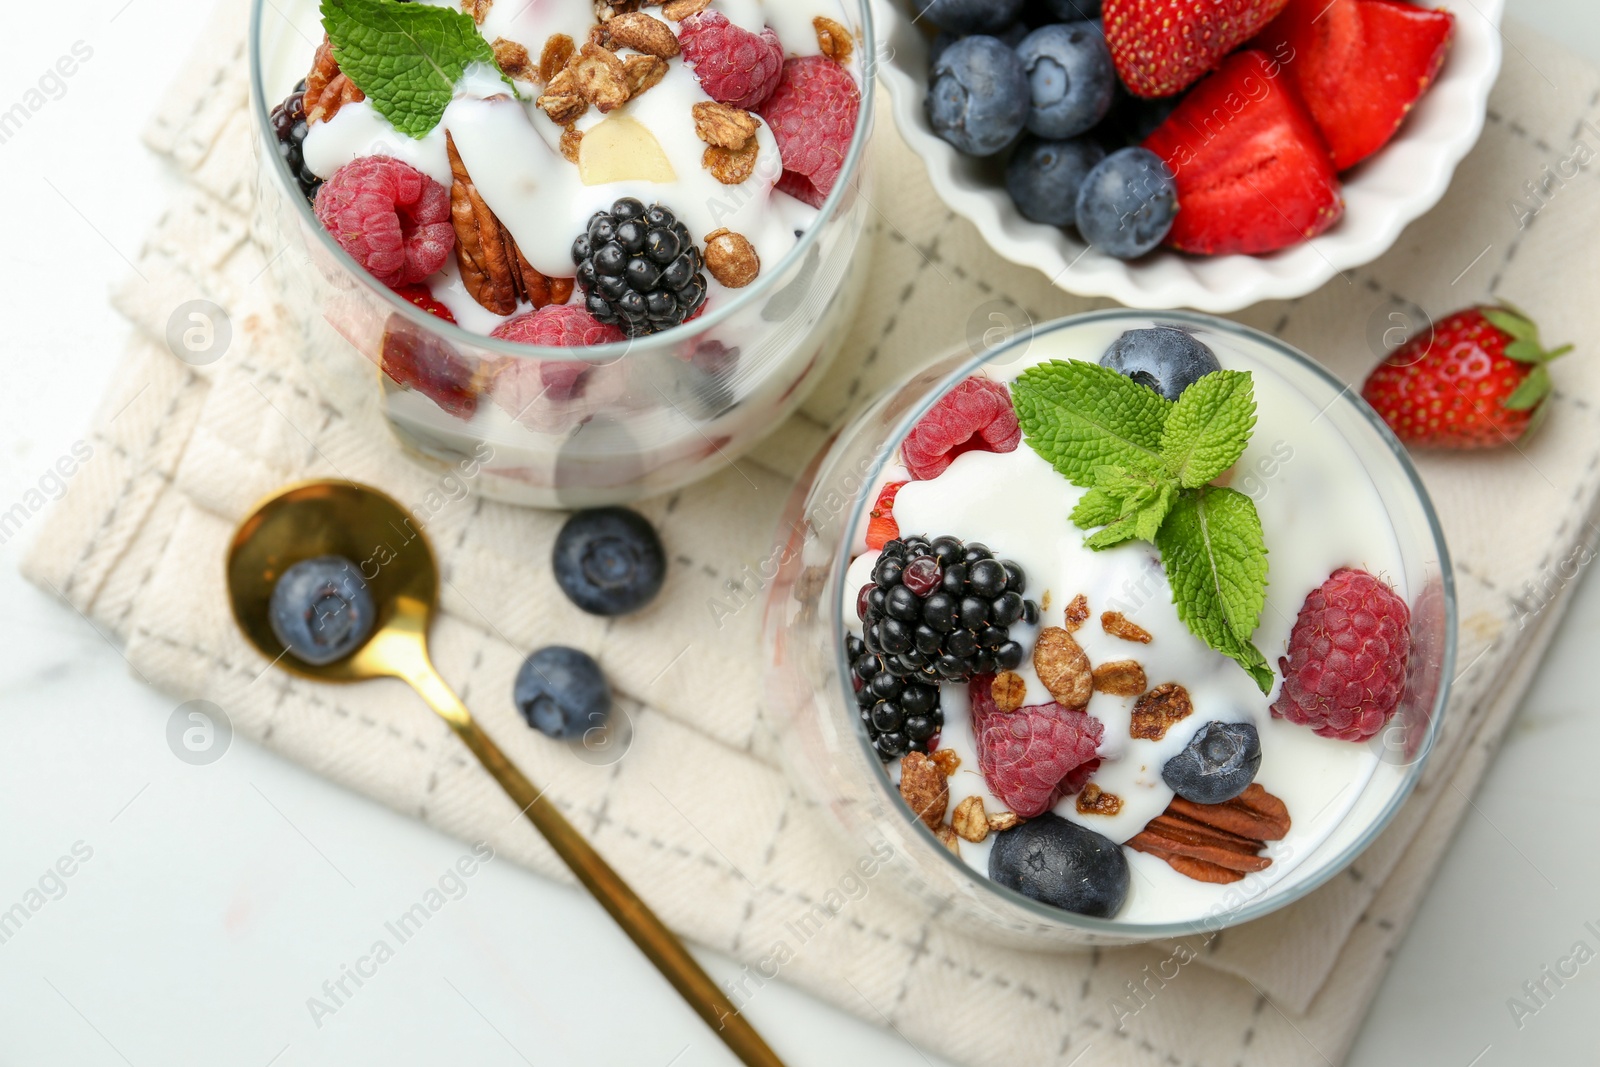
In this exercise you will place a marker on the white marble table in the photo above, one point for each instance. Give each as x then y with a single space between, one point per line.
215 900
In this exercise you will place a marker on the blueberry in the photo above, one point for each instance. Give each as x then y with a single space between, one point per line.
1072 10
1043 177
1219 762
561 692
1162 358
1062 864
1127 203
609 561
1070 78
969 16
321 609
1132 119
978 95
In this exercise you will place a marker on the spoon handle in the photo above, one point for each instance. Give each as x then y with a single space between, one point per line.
659 944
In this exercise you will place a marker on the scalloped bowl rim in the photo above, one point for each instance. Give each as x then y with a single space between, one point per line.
1383 194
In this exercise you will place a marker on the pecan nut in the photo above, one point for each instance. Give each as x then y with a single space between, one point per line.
327 87
1156 711
1216 842
1063 667
924 788
493 269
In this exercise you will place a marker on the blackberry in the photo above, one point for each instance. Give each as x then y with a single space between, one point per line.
941 610
899 714
640 269
935 611
289 127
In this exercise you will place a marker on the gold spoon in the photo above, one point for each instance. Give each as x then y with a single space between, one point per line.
363 525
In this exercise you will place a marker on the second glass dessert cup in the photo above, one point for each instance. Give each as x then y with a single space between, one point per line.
543 426
810 698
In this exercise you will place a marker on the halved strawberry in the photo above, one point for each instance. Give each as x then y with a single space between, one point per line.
882 528
1161 47
1359 65
1253 174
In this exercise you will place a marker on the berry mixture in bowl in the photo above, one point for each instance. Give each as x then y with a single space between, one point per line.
1142 620
654 184
1207 153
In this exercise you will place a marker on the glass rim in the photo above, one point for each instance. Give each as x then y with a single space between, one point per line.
1266 901
600 354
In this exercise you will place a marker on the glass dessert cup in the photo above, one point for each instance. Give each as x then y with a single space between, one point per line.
544 426
811 706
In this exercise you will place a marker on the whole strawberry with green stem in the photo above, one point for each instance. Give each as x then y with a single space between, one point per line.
1476 379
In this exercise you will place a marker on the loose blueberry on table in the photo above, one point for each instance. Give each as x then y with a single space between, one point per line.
562 692
609 561
321 609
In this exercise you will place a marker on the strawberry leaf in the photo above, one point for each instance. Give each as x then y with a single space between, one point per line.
1517 326
1534 388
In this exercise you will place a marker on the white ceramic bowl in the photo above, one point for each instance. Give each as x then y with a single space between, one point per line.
1382 195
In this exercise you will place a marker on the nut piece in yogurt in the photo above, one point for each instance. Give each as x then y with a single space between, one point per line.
1063 667
731 258
923 785
1157 710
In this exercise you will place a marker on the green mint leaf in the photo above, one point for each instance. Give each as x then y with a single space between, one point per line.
1096 508
1209 427
1141 518
1126 505
1216 562
1080 416
405 57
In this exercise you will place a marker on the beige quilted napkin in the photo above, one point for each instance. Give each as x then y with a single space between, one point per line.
696 814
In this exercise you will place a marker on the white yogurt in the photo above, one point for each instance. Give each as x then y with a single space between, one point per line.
1320 511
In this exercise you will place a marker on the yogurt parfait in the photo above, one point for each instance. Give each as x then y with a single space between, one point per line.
573 174
1127 622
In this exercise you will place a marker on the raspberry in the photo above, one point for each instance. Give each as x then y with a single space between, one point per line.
812 113
976 414
559 325
1346 667
735 66
422 296
1029 756
882 528
563 326
417 359
394 219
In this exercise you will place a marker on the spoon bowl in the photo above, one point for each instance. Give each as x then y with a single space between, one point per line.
374 532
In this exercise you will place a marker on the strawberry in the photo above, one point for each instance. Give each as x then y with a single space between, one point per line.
1253 174
881 529
1161 47
1477 379
1359 65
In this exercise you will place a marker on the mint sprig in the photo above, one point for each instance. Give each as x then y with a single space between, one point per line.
1147 464
406 58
